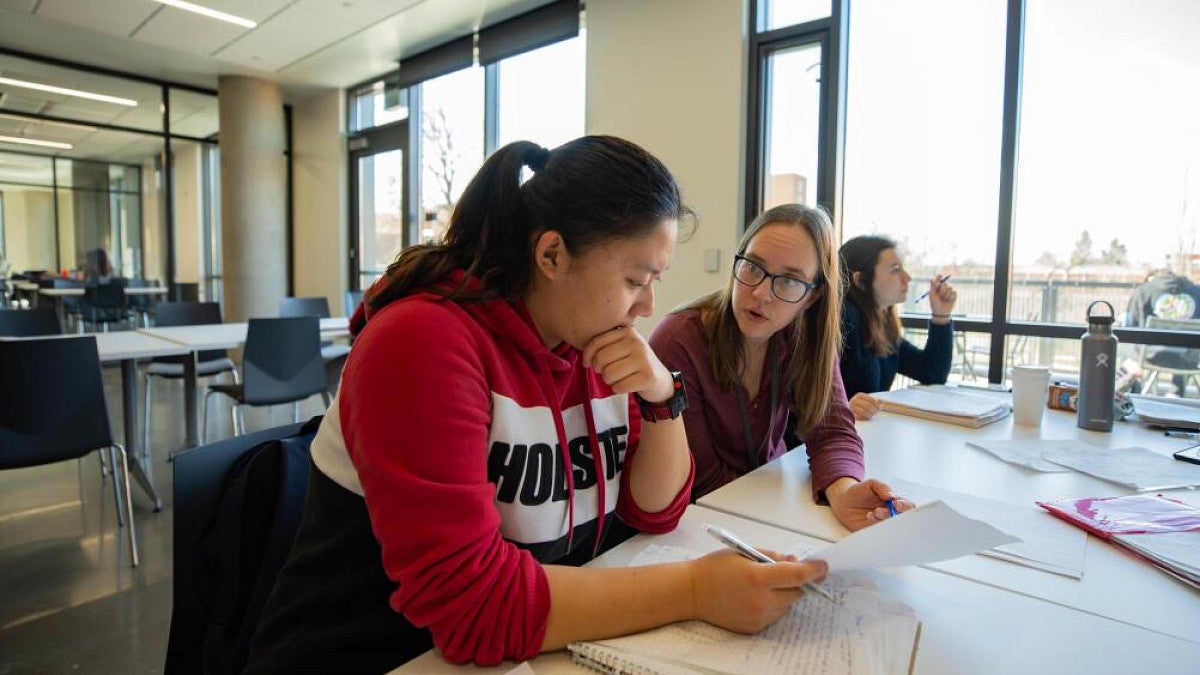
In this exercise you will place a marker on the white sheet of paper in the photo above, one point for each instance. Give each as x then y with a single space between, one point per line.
929 533
1047 543
1136 467
1028 453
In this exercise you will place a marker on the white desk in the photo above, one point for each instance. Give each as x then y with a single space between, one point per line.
967 627
218 336
1115 584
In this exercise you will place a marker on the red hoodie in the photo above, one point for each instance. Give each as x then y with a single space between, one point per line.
457 424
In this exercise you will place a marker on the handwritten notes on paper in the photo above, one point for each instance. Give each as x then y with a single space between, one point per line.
863 632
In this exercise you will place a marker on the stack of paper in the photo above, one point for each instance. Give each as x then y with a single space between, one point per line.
1162 531
953 405
1167 412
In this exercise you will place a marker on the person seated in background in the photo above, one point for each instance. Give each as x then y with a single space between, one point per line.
763 347
1164 295
873 349
96 266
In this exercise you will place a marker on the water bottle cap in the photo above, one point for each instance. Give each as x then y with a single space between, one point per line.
1099 319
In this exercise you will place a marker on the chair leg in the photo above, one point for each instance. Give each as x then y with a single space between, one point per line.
132 532
116 486
204 420
327 398
146 387
295 411
103 466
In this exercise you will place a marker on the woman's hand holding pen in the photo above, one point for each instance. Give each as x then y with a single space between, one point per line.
942 297
744 596
859 504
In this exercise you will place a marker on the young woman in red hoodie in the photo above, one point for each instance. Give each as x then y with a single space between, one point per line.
496 417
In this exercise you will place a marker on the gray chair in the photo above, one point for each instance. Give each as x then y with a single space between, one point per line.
29 322
209 363
52 409
318 307
281 364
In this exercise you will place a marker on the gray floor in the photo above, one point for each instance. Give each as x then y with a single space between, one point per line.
69 601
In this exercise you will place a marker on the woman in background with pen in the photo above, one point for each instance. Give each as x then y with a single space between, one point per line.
874 349
766 346
498 415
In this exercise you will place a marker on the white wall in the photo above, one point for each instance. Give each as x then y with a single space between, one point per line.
29 228
670 76
319 183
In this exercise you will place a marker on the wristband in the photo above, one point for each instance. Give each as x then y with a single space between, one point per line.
668 409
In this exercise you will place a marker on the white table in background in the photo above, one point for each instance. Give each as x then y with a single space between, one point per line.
967 627
1115 584
219 336
57 294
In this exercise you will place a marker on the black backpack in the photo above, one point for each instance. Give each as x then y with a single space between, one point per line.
245 543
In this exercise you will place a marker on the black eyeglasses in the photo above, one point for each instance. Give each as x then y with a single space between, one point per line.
787 289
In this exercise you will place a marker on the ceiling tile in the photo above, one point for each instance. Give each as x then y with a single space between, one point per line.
287 37
188 32
23 6
115 17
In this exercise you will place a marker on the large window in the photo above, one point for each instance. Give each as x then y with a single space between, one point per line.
923 114
414 150
1045 153
793 86
451 144
1109 172
542 94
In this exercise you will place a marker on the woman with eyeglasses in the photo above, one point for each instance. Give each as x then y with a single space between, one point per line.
766 346
874 350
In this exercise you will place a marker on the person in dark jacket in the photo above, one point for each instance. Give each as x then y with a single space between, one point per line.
873 350
1165 295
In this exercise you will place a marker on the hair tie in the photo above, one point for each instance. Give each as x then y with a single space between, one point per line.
535 157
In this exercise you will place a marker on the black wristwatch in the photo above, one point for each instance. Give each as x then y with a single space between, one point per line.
668 409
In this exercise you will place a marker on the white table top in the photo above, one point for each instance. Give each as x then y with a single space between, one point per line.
229 335
967 627
121 345
1115 584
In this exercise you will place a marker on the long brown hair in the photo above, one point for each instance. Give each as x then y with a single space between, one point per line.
590 190
881 324
814 340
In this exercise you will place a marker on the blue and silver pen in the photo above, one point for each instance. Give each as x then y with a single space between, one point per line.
1179 433
732 541
926 293
891 504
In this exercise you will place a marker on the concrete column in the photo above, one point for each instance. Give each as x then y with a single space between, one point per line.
253 196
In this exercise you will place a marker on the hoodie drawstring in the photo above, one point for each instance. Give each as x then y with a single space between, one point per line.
546 382
594 442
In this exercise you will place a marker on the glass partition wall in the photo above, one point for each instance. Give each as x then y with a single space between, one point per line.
82 167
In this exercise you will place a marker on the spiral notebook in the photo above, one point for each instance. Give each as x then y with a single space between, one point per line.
861 633
953 405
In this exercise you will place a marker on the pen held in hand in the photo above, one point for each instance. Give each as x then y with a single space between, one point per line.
891 507
926 293
732 541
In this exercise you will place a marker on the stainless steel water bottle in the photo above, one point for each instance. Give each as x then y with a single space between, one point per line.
1097 371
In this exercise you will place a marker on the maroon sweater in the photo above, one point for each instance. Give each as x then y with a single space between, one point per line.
714 426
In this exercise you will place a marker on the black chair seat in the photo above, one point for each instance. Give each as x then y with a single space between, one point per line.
203 368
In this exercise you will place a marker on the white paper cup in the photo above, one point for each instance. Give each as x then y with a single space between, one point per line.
1030 385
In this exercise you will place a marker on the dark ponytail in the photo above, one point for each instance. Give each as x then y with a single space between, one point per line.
590 190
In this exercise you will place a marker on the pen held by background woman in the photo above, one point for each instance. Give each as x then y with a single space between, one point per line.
926 293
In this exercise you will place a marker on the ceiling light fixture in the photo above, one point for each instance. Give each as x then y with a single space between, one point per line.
68 92
34 141
209 12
